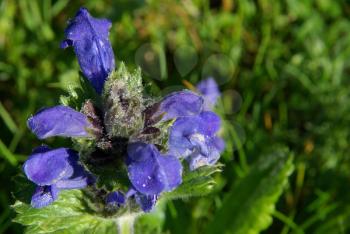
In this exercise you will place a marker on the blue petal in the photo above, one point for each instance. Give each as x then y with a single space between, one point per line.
44 195
74 183
219 143
146 202
150 172
46 167
79 179
207 153
210 123
199 143
59 121
207 157
179 142
89 37
189 133
194 138
131 192
116 199
210 91
180 104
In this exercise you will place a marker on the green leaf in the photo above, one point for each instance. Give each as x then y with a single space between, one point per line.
248 207
69 214
199 182
7 154
8 120
337 223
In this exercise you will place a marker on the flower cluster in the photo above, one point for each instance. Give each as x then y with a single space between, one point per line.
128 149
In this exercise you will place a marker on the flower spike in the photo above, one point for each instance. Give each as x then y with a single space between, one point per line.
131 147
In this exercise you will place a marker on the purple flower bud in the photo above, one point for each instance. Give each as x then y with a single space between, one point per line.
44 196
59 121
194 138
116 199
210 91
180 104
150 172
89 37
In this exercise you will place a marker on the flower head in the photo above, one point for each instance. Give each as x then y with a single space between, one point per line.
89 38
139 140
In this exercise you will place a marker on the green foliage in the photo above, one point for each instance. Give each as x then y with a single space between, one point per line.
68 214
248 206
199 182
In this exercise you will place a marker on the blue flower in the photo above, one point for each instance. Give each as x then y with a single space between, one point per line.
194 138
53 170
193 135
89 37
151 172
59 121
210 91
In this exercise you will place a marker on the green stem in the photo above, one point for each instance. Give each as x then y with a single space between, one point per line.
126 224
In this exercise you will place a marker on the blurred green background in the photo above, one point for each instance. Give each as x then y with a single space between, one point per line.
283 67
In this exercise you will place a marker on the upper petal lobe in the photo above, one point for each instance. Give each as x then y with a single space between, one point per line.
59 121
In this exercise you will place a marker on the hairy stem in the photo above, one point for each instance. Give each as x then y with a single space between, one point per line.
126 224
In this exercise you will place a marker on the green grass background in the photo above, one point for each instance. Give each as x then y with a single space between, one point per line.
283 67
